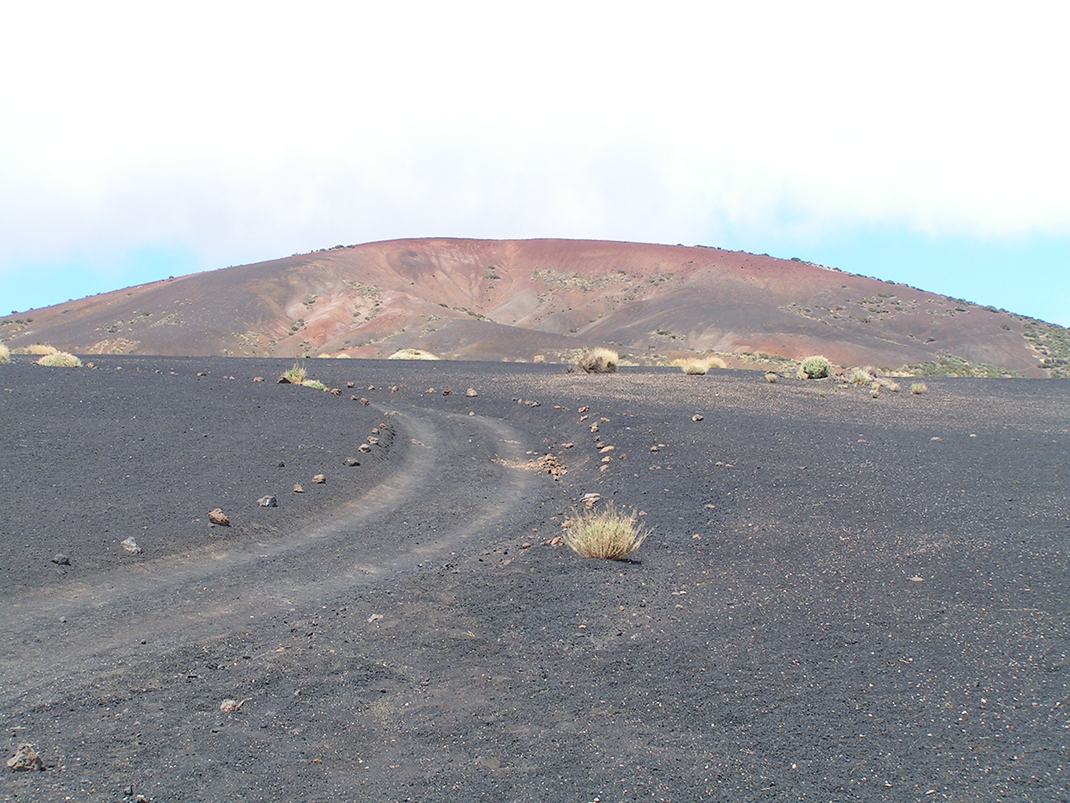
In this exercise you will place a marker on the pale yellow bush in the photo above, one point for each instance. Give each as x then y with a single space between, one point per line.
608 533
60 359
412 354
598 361
696 366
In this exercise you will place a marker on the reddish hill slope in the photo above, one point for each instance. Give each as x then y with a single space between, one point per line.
474 299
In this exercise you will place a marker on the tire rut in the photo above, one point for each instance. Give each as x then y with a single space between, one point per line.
115 618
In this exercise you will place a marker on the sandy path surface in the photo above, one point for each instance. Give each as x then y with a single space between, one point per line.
843 598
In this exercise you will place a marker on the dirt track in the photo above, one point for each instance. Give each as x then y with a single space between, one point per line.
875 606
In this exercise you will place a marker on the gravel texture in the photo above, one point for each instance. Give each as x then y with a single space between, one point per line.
843 597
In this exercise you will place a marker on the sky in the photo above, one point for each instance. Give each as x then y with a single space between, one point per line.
924 143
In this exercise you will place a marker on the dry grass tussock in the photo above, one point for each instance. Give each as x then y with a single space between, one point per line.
412 354
60 359
598 361
697 366
295 376
5 355
609 533
860 376
919 388
298 376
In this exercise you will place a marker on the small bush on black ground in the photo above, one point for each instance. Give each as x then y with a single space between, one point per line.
60 359
816 367
598 361
609 533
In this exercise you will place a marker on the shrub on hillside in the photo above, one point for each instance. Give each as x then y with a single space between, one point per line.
816 367
5 355
40 349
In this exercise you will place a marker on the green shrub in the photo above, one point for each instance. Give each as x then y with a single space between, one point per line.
816 367
608 534
315 384
60 359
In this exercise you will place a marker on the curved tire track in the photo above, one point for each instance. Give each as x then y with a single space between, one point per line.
117 617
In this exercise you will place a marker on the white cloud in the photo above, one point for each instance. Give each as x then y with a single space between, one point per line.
242 128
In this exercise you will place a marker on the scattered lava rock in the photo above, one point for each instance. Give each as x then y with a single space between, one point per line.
352 461
471 393
130 545
26 758
219 518
697 417
298 489
61 560
267 501
319 479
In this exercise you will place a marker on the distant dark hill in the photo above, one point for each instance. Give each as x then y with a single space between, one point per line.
494 300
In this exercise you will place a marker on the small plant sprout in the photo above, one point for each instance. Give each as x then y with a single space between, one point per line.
609 533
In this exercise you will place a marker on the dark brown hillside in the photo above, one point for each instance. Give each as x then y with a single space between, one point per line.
493 300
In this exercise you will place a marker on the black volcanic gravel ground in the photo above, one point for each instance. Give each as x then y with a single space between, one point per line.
843 598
